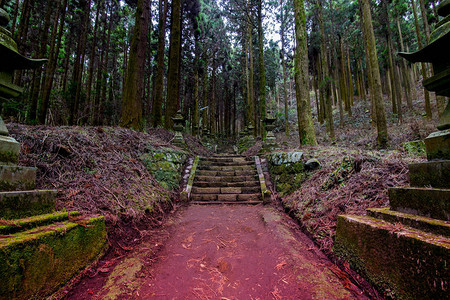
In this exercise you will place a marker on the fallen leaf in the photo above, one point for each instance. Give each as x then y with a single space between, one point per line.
103 270
281 265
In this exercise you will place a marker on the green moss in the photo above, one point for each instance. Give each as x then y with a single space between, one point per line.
287 171
165 165
35 263
35 221
415 148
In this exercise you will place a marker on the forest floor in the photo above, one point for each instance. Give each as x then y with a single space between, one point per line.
223 252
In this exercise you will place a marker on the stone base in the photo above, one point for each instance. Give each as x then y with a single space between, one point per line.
15 205
403 262
9 150
438 145
434 173
433 203
13 178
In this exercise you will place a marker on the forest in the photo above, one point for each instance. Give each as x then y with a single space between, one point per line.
224 64
224 149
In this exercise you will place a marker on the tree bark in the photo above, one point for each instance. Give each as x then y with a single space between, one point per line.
262 69
306 132
132 93
325 79
374 72
159 79
173 78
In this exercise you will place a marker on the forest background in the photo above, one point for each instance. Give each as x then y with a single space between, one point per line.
224 64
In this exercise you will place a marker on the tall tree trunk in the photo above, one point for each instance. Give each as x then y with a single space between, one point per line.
405 69
195 113
79 64
42 52
205 91
325 80
51 66
251 95
306 132
132 92
212 110
283 62
92 60
350 82
103 98
374 72
262 69
159 79
173 78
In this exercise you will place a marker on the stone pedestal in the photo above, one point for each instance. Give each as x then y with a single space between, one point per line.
438 145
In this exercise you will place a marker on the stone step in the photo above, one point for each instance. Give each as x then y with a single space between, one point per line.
404 262
36 262
13 178
36 221
226 202
252 183
22 204
231 178
237 159
226 163
226 197
432 203
433 173
227 168
226 173
226 190
430 225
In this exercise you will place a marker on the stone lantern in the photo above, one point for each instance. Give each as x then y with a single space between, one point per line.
269 124
10 60
178 126
437 53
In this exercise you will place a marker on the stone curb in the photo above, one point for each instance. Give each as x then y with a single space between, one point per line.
186 193
265 193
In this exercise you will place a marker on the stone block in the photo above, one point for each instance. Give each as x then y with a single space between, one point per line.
227 197
14 178
15 205
432 203
282 158
9 150
35 263
403 262
209 190
438 145
231 190
430 225
434 173
249 197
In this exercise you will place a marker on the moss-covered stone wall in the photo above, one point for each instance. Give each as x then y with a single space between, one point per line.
287 171
166 165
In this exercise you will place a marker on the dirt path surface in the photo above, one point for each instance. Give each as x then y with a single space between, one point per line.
227 252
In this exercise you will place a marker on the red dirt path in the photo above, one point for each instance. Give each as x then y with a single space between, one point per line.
229 252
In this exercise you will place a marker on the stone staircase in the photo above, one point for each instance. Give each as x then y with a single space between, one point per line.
40 248
404 250
226 179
